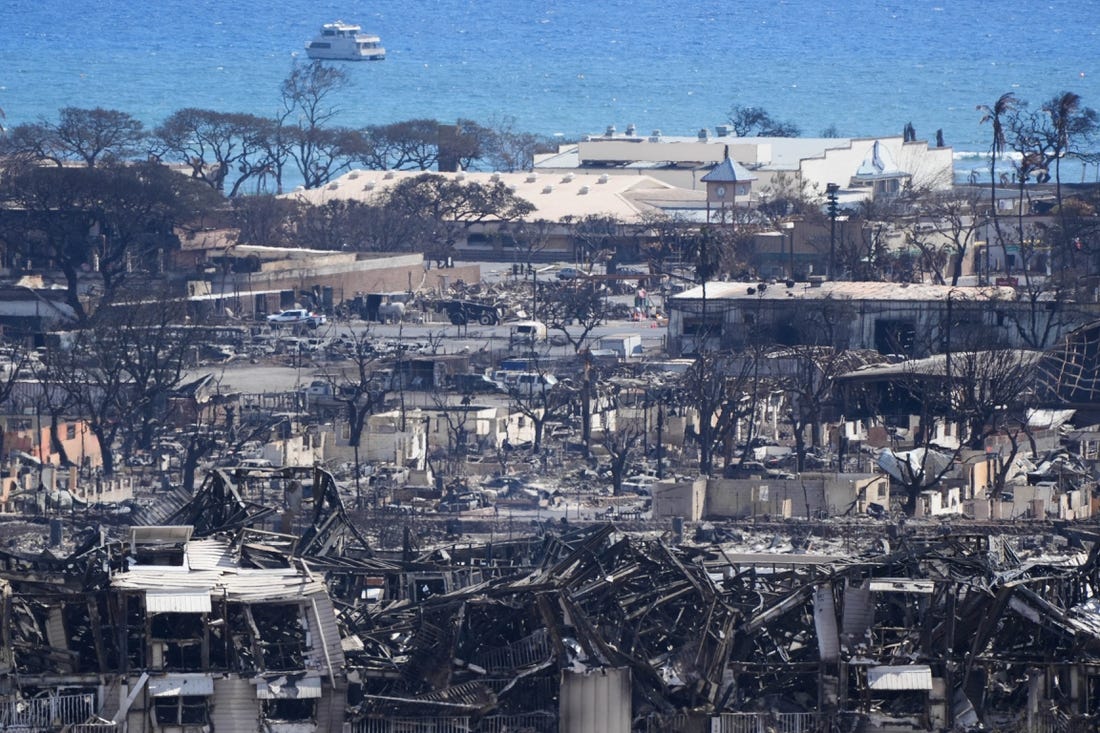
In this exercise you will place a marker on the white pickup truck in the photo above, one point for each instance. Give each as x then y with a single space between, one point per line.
296 316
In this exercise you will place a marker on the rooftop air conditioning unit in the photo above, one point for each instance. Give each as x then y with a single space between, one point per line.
460 176
368 186
603 179
532 177
567 178
548 189
494 177
630 130
389 175
610 131
723 130
703 134
583 190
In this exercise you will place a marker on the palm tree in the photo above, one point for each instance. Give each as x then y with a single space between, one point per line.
995 116
1070 123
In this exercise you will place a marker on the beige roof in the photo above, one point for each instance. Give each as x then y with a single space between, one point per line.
554 196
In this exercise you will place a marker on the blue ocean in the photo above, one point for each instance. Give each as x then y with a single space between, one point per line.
863 67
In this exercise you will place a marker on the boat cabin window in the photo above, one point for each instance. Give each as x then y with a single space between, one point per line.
328 33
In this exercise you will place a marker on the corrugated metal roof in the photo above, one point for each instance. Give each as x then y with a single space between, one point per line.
176 685
178 601
236 584
903 677
209 554
284 688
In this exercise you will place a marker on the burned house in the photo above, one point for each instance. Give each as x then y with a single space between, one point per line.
206 644
177 636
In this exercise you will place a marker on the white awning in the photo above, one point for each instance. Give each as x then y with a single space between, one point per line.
177 601
284 688
901 677
178 685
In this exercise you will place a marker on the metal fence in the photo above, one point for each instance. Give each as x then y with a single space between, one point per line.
768 722
412 725
530 723
46 712
526 723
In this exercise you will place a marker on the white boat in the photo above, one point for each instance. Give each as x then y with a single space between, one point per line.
345 42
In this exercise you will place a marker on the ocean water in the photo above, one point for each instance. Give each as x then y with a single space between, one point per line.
865 67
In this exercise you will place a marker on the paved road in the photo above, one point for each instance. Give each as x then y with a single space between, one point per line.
244 376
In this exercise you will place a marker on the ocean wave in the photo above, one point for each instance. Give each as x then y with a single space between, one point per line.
978 155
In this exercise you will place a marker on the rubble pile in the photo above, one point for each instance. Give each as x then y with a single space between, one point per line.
923 628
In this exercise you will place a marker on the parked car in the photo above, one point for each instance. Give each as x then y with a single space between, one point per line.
474 383
527 383
570 273
295 317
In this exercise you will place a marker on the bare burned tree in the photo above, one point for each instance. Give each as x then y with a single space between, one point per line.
718 390
952 221
362 390
621 444
318 149
541 403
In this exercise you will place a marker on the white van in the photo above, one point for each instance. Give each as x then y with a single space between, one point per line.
527 332
531 383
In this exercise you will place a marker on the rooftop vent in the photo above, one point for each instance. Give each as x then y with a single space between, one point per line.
703 134
567 178
333 186
548 189
389 175
583 190
368 186
494 177
610 131
603 179
631 130
353 175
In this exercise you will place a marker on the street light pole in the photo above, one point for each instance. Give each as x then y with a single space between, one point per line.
830 194
789 227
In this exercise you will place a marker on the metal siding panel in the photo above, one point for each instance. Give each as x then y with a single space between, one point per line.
181 684
331 707
858 611
282 689
828 642
180 601
235 706
328 631
595 702
55 629
903 677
